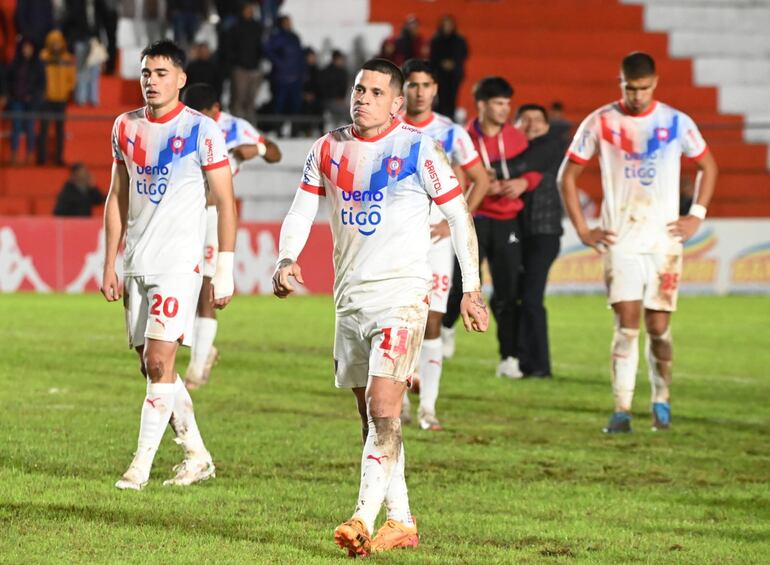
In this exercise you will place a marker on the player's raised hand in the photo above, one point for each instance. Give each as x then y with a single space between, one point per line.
110 286
598 238
439 231
281 285
685 227
474 312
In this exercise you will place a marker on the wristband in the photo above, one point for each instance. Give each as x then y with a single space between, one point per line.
223 276
261 147
698 211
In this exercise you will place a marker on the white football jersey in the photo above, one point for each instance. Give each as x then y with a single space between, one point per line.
456 142
379 192
166 161
640 159
237 131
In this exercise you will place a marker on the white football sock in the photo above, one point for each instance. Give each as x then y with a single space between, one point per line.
625 361
378 462
156 412
205 332
659 361
397 497
430 373
184 425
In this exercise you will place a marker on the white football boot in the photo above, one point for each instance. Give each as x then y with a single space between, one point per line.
509 369
192 471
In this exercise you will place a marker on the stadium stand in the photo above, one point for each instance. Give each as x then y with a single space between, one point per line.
570 51
565 50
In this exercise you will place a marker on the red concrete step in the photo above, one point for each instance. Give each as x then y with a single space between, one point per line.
512 15
15 205
586 98
571 70
33 181
611 44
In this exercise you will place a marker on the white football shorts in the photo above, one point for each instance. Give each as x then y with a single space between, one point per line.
653 278
442 259
161 307
211 243
379 343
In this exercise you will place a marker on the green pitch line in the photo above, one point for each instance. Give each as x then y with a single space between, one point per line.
522 473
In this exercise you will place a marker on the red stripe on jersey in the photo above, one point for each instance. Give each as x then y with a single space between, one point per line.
702 154
166 117
318 190
326 159
447 196
467 166
139 154
576 158
123 138
218 165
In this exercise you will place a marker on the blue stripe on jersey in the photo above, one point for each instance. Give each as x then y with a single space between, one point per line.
232 133
190 145
380 178
449 141
654 142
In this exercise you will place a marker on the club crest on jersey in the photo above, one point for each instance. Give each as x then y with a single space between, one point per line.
177 145
394 165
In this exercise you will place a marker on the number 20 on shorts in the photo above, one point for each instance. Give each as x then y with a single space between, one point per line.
170 306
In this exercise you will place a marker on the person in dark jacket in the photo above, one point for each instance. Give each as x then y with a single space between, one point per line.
335 89
33 20
78 195
26 88
204 68
244 48
311 94
448 52
541 231
284 50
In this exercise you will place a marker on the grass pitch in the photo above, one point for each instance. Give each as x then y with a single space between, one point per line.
521 475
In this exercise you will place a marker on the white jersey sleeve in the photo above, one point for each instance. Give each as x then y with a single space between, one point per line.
212 152
117 153
693 144
311 174
437 175
463 152
248 134
586 141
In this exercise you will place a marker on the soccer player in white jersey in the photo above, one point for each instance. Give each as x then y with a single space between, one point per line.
640 142
243 142
165 155
420 90
379 177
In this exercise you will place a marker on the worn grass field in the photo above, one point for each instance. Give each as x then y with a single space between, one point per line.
521 475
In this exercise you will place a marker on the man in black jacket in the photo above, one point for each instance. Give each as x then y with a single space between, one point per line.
244 48
541 230
78 195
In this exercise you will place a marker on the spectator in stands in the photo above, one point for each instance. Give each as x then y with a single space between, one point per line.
3 85
78 195
59 66
244 49
388 49
26 86
284 50
448 51
311 95
81 30
410 44
33 20
186 17
203 68
335 89
270 9
560 127
107 22
148 21
541 230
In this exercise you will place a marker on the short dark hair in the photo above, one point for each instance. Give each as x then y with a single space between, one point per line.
531 107
388 68
418 66
492 87
200 96
165 48
637 65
